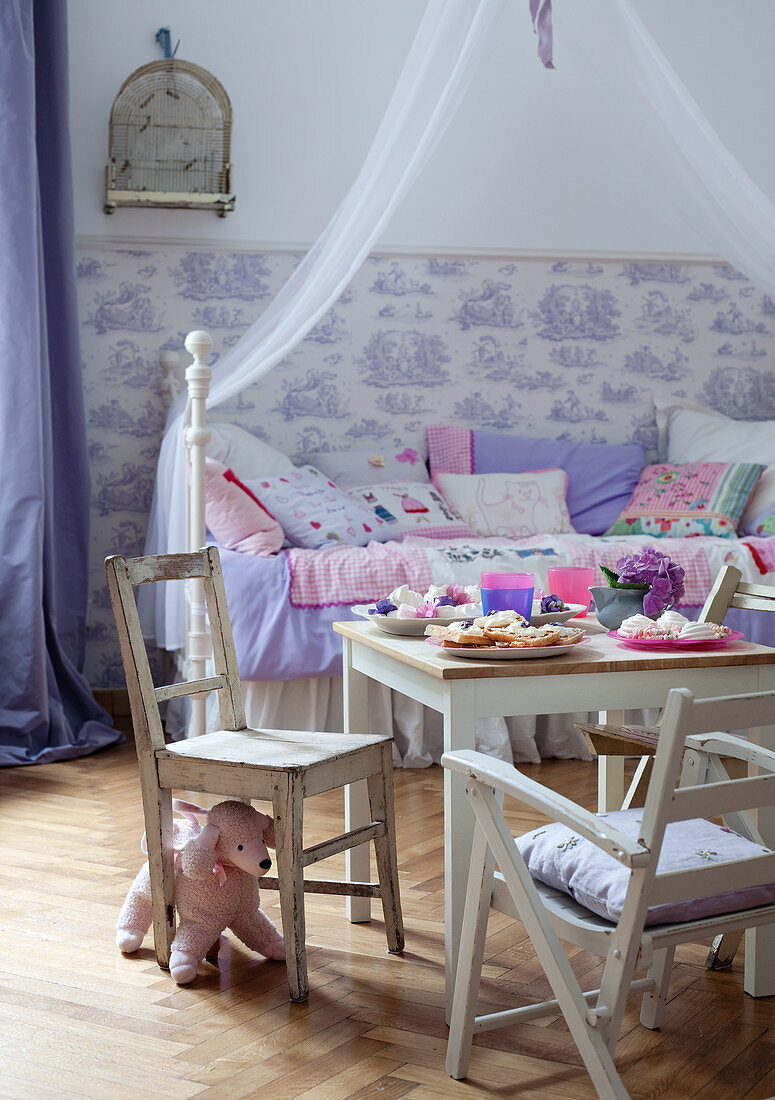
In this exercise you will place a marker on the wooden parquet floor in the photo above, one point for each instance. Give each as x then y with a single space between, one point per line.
78 1019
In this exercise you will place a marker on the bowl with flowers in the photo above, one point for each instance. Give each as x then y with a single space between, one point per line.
646 582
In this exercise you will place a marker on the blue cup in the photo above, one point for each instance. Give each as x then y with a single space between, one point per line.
507 592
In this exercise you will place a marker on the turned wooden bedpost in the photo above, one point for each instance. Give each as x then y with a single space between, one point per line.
197 436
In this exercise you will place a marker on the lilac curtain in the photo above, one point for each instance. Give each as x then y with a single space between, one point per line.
47 711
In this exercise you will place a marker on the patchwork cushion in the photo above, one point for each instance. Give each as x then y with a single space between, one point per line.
409 508
601 476
315 512
696 498
557 856
371 465
688 434
235 518
509 505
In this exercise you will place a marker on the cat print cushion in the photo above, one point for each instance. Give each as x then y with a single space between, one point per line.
510 506
313 511
411 508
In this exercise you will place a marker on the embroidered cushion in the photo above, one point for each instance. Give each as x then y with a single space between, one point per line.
601 476
371 465
509 505
314 512
235 518
696 498
410 508
557 856
700 435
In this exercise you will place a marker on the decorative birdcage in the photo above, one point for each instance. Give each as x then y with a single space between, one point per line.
170 140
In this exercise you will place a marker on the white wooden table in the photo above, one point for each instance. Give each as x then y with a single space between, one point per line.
598 675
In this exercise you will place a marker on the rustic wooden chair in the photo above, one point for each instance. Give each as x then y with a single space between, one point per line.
615 740
283 767
628 943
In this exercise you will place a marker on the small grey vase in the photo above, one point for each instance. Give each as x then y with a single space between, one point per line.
614 605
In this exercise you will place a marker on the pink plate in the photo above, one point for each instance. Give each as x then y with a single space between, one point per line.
676 643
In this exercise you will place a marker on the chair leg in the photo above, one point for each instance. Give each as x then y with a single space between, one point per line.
652 1011
157 807
382 809
470 956
288 804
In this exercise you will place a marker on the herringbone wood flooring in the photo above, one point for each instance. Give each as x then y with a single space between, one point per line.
78 1019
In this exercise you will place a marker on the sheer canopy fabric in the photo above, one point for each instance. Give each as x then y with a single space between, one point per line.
653 111
640 93
443 56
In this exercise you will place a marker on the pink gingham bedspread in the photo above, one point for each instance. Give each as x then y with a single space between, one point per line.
352 574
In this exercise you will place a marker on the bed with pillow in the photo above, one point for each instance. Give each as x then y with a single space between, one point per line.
303 542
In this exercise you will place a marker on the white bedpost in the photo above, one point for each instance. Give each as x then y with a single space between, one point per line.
197 436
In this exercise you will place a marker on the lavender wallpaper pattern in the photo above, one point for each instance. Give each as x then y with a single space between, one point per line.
563 349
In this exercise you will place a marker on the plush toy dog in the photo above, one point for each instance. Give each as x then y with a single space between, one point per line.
216 887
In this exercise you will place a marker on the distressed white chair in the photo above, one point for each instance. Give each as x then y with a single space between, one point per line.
283 767
630 943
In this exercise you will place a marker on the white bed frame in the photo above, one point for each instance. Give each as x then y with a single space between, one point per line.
196 436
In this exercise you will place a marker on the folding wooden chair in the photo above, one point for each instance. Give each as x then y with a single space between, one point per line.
283 767
610 740
631 943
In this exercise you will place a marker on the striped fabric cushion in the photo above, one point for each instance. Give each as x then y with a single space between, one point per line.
696 498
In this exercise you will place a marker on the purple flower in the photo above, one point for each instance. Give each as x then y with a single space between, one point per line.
552 603
382 607
658 571
444 601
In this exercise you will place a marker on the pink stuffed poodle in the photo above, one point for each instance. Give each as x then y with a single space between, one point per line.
217 868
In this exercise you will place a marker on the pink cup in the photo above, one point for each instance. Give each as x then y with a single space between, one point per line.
572 583
507 592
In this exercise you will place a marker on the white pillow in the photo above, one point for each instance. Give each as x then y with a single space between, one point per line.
510 505
691 434
244 453
554 854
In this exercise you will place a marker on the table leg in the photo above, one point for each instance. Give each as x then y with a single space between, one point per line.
356 796
610 769
760 942
459 733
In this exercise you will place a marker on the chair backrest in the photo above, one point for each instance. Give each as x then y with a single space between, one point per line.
201 567
730 591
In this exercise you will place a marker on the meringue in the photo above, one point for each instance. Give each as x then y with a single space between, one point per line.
636 625
672 619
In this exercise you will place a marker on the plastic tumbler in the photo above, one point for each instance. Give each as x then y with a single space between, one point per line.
507 592
572 583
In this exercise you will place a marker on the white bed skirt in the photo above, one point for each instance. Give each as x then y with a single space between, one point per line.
316 704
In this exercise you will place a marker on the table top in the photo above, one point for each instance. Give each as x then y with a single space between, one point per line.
599 654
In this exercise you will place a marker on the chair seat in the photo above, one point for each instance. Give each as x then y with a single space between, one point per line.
271 750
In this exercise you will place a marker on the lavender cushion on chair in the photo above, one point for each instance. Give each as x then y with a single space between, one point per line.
557 856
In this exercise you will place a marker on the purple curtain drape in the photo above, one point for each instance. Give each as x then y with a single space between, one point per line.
47 711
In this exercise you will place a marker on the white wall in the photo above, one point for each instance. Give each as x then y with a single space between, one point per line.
525 165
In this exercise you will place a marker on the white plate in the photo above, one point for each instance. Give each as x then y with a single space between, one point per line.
486 653
414 628
557 616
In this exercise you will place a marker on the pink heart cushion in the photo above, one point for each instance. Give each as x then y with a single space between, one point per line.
234 515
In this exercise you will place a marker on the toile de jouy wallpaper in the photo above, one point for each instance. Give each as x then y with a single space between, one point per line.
565 349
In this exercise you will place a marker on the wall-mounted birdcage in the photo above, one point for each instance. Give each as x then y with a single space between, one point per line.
170 140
